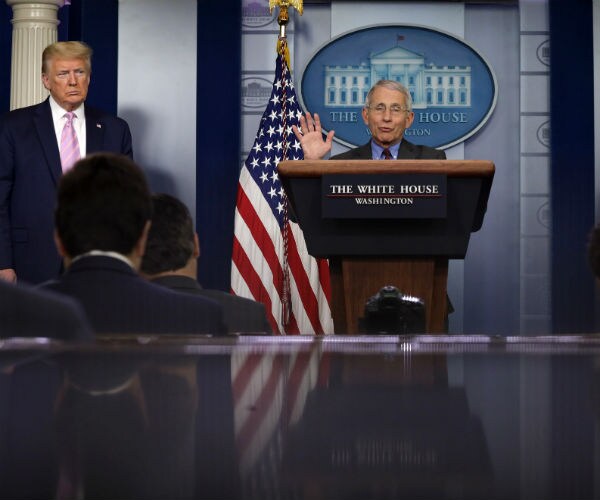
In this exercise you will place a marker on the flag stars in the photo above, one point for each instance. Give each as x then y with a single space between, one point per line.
280 207
254 163
277 84
274 176
275 99
296 145
266 162
272 192
273 116
257 147
278 146
269 146
264 177
288 130
271 131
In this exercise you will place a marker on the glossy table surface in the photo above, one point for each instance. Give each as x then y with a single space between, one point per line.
368 417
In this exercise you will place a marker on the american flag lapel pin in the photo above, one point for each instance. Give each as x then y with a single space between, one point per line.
98 125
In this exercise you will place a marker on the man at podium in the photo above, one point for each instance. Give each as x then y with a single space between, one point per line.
388 113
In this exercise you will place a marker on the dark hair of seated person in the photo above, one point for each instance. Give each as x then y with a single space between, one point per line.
103 203
171 238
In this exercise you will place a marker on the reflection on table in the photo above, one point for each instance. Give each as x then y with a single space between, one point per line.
257 417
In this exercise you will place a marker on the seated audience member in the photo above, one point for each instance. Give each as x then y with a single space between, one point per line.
27 312
171 260
102 220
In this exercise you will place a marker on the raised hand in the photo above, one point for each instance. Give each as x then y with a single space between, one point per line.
8 275
311 139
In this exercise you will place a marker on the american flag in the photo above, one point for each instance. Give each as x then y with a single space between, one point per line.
270 262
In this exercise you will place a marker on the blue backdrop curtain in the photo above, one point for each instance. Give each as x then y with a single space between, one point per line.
572 163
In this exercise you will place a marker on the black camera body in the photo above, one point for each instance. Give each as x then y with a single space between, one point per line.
389 311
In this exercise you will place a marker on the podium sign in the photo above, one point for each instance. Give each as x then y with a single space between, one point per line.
366 254
387 196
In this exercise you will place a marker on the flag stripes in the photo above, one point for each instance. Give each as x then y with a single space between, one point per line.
260 259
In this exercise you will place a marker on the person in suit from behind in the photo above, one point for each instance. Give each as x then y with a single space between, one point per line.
31 164
387 113
102 217
28 312
171 260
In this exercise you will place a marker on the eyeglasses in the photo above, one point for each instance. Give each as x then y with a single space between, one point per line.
395 109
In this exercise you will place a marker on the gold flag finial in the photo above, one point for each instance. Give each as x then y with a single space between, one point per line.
284 17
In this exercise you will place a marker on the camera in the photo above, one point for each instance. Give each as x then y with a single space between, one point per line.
390 311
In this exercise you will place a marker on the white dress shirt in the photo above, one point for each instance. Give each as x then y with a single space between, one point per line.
58 117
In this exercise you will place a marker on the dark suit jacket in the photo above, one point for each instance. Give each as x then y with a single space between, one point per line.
117 300
241 314
29 173
407 151
27 312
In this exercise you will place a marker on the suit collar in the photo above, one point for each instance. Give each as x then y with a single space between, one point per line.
178 282
406 151
42 120
100 262
94 130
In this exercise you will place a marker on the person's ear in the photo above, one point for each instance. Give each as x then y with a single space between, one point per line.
45 81
365 116
59 244
60 247
196 253
140 247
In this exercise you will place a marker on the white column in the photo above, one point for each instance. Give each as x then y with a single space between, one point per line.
34 28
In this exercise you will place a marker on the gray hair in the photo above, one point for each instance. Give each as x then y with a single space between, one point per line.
391 85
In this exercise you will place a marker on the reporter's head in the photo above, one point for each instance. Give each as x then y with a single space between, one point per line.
172 241
103 203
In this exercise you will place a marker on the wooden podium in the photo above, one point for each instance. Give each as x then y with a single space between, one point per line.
367 253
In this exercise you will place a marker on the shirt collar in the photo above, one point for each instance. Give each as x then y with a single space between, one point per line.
376 150
58 112
103 253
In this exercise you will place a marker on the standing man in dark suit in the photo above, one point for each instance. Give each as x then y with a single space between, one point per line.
171 260
102 217
30 160
388 113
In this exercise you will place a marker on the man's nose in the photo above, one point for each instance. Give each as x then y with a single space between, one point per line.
72 80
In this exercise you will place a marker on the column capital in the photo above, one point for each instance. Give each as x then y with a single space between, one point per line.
34 28
57 3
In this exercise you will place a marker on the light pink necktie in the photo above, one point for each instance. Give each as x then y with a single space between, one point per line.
69 145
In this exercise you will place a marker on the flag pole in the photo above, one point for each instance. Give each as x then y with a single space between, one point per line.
282 49
283 19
